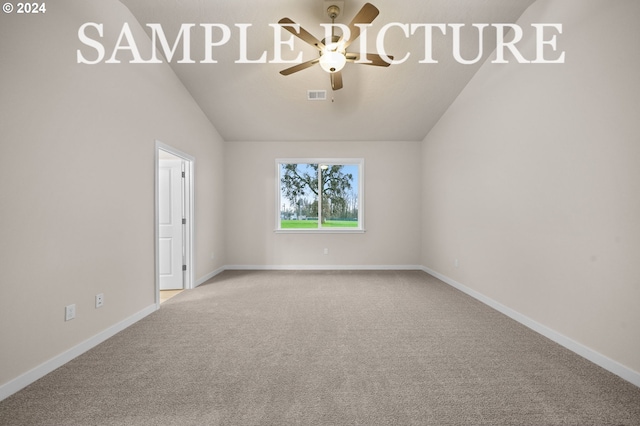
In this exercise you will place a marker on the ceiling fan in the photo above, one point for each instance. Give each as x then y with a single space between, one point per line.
332 54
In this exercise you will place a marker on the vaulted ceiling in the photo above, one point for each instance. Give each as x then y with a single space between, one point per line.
254 102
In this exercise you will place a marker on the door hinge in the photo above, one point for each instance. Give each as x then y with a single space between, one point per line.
182 174
184 267
184 221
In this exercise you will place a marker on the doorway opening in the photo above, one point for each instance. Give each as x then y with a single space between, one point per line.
168 294
174 201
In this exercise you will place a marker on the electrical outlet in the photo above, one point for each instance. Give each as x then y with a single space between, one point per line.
69 312
326 251
99 300
456 263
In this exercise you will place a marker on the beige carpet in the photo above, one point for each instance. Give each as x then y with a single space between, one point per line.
326 348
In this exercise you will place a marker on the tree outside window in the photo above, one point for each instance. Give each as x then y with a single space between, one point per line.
320 194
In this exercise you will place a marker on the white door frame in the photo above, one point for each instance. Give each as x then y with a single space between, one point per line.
189 232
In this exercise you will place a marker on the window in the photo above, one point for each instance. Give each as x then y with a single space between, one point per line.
320 195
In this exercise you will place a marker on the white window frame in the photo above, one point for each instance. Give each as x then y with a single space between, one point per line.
329 161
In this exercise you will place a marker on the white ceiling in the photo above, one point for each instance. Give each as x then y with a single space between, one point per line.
253 102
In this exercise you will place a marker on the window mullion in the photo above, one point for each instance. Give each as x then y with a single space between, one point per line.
319 196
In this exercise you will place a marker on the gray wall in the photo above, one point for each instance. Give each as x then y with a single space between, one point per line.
77 146
532 181
391 212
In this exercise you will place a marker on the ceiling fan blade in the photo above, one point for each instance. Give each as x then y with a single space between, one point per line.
303 34
336 80
299 67
366 15
375 59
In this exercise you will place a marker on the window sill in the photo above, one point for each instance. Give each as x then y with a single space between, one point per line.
320 231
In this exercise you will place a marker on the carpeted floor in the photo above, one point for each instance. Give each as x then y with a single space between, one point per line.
326 348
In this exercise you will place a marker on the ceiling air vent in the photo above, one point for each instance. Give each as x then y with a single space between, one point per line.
316 95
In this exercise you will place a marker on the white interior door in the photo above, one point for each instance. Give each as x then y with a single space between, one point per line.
170 224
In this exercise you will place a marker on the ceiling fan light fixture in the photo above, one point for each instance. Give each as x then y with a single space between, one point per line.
332 61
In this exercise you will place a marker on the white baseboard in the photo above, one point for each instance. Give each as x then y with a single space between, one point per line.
45 368
578 348
207 277
36 373
324 267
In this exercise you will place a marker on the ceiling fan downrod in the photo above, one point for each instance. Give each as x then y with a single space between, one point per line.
333 11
